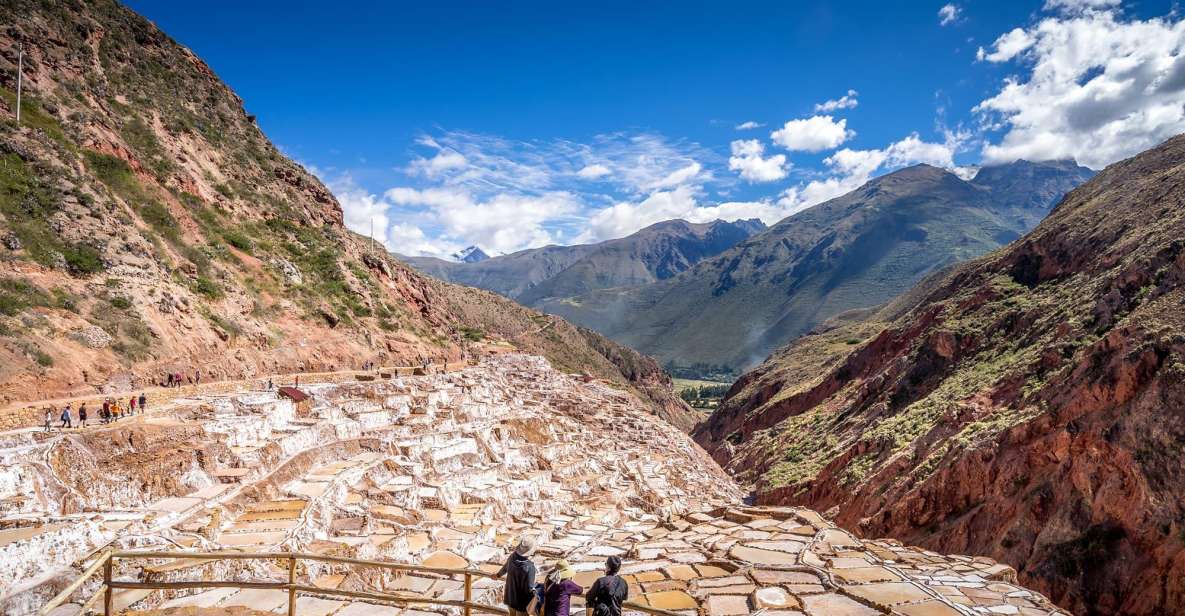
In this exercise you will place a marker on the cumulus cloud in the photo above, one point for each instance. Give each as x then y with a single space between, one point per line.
503 223
626 217
852 168
948 14
847 101
813 134
750 125
408 239
747 158
1096 87
1007 46
362 211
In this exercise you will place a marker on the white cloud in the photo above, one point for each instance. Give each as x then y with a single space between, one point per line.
626 217
678 177
750 125
443 162
1098 88
1079 5
592 172
407 239
852 168
948 14
847 101
1007 46
813 134
362 211
747 159
503 223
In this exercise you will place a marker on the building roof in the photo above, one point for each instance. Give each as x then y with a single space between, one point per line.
293 394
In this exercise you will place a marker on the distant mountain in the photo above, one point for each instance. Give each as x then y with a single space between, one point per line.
554 273
1028 405
472 254
855 251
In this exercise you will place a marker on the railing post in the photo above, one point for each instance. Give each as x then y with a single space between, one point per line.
107 595
291 584
468 593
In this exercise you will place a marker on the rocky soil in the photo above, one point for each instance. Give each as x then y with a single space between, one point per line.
1029 405
148 226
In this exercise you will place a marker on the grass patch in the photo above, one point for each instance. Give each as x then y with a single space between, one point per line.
33 116
471 334
27 203
206 287
133 340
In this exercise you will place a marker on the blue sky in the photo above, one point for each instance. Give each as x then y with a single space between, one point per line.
511 125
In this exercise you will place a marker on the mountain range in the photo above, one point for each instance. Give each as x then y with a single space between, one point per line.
147 225
651 254
1028 405
859 250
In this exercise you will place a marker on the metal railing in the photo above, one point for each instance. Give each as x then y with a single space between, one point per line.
106 562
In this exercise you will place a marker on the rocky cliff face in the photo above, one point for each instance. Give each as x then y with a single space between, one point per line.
148 226
1028 406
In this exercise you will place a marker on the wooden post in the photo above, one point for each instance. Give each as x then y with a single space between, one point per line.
468 593
291 584
107 595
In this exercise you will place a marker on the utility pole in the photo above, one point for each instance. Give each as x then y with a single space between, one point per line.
20 68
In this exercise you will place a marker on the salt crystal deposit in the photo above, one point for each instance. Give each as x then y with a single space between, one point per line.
445 470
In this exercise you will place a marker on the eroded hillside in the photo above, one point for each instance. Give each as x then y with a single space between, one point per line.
1028 406
149 226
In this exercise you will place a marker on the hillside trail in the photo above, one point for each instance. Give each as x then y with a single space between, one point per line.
161 398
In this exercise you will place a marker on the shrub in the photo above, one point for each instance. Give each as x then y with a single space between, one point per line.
82 259
43 359
205 286
238 240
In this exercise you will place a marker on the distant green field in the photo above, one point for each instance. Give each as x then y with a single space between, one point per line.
681 384
701 394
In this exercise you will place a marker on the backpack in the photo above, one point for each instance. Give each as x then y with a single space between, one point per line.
535 607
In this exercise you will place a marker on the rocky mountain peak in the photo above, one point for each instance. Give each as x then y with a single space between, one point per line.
472 254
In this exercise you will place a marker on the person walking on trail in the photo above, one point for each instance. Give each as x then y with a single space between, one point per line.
607 594
105 412
558 590
66 423
132 405
143 402
82 415
48 419
520 577
197 377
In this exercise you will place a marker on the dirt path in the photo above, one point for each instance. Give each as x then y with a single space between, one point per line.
30 414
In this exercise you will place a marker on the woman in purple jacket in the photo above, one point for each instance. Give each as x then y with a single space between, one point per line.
557 595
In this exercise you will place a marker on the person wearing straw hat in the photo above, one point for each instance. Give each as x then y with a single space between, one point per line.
558 591
520 577
608 592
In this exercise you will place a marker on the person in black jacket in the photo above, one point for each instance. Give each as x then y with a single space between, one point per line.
520 577
607 594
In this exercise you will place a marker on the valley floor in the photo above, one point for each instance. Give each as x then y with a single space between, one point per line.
443 470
